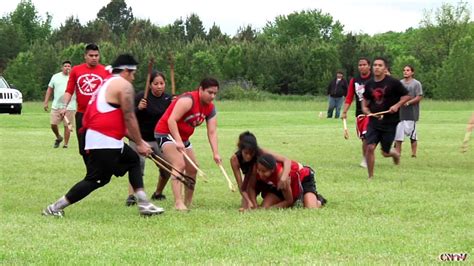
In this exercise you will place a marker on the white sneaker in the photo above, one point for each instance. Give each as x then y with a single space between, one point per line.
147 208
363 163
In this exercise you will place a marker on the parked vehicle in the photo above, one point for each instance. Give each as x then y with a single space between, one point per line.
11 99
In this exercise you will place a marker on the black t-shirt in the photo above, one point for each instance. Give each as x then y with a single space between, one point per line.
147 118
381 95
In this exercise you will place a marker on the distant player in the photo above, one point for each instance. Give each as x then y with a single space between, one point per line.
409 112
382 93
357 88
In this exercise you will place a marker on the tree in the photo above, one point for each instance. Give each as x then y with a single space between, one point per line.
117 15
203 64
455 80
194 28
27 20
12 42
70 32
348 51
232 66
177 30
215 34
304 25
246 33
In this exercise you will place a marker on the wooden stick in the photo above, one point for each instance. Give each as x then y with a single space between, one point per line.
186 180
346 132
68 123
379 113
229 183
200 172
148 77
375 114
171 62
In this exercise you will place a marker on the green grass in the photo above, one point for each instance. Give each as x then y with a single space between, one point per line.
408 215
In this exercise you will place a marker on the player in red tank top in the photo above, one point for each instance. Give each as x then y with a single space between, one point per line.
244 161
182 116
302 184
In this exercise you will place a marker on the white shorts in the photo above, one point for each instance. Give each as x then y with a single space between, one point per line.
406 128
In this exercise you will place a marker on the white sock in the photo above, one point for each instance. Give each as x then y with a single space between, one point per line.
141 195
61 203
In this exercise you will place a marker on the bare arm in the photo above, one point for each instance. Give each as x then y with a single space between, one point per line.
288 201
234 163
182 106
49 91
285 176
365 106
212 137
415 100
251 189
125 98
394 108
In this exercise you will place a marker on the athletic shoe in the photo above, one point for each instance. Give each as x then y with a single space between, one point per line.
147 208
363 163
58 141
131 200
156 196
49 211
65 147
321 199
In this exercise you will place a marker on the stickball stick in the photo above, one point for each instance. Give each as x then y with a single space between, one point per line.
186 180
229 183
346 133
68 123
200 172
376 114
148 77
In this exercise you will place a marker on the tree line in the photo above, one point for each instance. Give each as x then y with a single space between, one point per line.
297 53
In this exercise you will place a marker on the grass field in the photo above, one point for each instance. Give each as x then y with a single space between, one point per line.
409 214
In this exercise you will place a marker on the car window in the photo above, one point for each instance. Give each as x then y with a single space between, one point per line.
3 83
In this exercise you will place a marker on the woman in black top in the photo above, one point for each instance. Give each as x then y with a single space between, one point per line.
148 112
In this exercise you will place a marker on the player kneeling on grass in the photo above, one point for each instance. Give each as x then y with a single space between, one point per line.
243 161
301 186
109 116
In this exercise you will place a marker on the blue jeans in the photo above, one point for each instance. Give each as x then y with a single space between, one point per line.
335 103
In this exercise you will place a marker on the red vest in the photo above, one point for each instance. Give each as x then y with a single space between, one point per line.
193 118
110 123
296 176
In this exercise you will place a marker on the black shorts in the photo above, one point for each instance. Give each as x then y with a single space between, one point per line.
162 139
385 135
103 163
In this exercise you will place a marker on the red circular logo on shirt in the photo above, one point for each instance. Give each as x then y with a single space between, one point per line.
89 83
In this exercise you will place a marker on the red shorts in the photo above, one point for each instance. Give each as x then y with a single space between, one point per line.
362 122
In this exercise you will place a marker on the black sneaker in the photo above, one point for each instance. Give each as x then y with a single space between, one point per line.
131 200
58 141
156 196
321 199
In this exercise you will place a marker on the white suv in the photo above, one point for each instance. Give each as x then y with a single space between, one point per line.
11 99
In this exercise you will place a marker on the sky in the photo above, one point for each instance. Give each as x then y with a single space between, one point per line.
362 16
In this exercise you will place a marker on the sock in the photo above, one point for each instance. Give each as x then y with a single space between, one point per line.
141 195
61 203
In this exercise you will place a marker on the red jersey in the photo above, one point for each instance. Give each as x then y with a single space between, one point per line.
296 176
102 117
357 88
191 119
85 80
